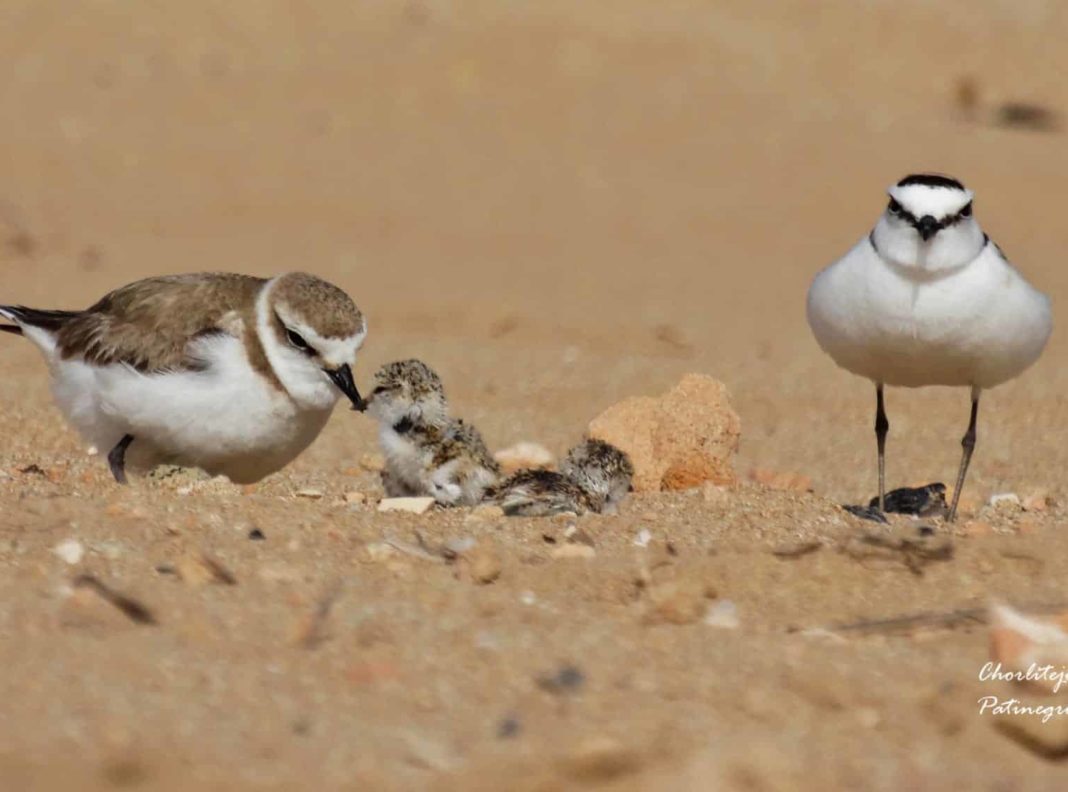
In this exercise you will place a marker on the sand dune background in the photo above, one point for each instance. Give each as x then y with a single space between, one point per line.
557 205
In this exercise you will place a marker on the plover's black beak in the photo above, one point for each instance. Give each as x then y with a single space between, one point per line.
927 227
342 377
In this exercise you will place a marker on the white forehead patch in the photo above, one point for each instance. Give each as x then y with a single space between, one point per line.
336 351
923 199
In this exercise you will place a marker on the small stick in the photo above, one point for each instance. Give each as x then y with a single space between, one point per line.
131 608
930 619
313 632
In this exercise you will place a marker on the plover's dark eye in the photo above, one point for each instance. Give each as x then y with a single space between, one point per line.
298 342
894 207
966 211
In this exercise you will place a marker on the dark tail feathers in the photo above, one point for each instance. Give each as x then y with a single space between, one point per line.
47 320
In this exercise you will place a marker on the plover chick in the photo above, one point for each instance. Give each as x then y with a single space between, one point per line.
230 373
427 452
595 476
602 471
927 298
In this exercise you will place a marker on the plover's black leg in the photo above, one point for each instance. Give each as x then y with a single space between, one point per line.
968 444
117 458
882 427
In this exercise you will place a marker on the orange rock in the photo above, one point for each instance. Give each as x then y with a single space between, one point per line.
678 440
693 470
1022 643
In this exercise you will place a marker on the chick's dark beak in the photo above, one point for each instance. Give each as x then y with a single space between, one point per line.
342 377
927 226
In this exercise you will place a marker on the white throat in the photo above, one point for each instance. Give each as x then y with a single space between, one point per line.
302 378
950 249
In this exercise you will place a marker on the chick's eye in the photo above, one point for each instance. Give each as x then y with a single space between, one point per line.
894 207
966 211
297 341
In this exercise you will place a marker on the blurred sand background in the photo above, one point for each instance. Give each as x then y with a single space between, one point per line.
557 205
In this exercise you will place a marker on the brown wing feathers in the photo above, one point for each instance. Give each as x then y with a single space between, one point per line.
148 324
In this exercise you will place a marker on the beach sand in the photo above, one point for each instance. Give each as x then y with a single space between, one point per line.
557 206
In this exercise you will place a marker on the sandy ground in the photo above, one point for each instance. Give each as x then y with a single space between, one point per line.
557 206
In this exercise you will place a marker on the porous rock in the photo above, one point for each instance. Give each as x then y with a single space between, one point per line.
678 440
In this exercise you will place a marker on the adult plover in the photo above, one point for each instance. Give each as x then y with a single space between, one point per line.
427 452
230 373
927 298
595 476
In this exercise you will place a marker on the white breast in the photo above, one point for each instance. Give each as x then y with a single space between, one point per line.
406 462
978 326
226 419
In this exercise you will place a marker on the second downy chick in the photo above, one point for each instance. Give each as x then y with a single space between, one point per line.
426 452
595 476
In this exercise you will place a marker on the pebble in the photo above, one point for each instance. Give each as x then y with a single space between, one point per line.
279 573
412 505
524 454
573 551
724 614
485 563
643 538
256 535
354 497
309 492
427 753
1006 501
1019 641
70 550
377 552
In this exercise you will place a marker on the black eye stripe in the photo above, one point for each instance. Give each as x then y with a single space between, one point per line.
897 209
